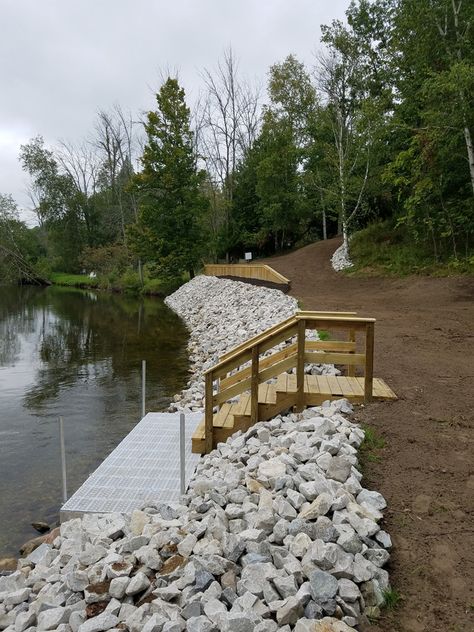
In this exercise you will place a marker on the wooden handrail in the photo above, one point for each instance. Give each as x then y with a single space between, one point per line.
258 271
265 334
249 378
257 338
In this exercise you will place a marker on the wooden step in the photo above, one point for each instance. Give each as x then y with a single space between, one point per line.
274 398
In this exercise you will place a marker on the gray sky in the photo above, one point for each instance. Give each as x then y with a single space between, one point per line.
62 60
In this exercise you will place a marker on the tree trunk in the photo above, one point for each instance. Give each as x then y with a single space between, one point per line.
325 232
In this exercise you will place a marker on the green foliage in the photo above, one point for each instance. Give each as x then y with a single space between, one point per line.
392 598
324 335
106 259
370 448
388 249
170 201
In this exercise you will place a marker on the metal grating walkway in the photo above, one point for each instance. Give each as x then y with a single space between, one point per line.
144 467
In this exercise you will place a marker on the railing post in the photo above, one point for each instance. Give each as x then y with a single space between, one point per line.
351 370
254 386
300 399
369 362
208 414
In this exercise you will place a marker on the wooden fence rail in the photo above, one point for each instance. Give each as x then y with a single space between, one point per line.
259 272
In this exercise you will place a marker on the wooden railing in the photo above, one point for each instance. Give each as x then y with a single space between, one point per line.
260 272
242 369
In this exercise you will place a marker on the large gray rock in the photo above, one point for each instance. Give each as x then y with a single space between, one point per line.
101 622
323 586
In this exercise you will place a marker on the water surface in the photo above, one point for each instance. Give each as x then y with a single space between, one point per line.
76 354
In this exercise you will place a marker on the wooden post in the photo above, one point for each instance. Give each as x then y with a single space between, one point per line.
300 365
254 386
208 415
369 362
351 370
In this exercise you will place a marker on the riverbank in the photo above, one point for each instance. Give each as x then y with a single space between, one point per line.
276 530
127 284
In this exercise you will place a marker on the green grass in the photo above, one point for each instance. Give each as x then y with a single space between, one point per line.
128 282
324 335
369 451
73 280
391 598
385 249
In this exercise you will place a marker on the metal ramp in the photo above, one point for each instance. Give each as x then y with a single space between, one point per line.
144 467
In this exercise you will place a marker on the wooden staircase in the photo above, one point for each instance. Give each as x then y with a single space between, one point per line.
239 394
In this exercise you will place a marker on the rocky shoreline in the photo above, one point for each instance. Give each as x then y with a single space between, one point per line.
275 533
221 314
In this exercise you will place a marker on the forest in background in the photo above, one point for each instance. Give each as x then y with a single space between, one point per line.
373 141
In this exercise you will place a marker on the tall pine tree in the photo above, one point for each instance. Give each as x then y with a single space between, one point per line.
171 203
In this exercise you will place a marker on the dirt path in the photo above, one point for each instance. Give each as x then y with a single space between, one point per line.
424 349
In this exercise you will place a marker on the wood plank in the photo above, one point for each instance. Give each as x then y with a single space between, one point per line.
346 387
282 383
208 413
262 392
258 338
352 339
271 394
307 314
242 404
200 430
357 388
323 384
254 385
300 364
329 345
335 358
291 384
285 334
232 391
334 385
312 384
278 368
221 417
369 361
222 368
263 363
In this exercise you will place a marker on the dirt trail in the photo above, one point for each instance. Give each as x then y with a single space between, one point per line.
424 349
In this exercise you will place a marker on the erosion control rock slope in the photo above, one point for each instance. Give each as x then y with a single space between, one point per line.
221 314
276 532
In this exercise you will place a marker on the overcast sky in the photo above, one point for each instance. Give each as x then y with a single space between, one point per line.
62 60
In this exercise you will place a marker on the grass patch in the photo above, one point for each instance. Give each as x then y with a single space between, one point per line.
387 250
369 451
391 598
324 335
73 280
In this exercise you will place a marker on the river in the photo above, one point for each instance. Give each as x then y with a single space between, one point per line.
75 354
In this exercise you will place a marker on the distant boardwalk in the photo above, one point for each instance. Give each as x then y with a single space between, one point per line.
143 468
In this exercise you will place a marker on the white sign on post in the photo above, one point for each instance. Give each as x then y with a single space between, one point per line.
248 256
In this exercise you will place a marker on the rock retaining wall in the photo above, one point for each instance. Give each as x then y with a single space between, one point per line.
275 533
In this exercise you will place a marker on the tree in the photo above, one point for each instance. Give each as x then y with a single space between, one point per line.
230 120
352 114
171 204
59 204
19 245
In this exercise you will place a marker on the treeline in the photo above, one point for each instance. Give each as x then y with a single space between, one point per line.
379 130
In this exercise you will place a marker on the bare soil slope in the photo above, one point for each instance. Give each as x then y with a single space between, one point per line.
424 349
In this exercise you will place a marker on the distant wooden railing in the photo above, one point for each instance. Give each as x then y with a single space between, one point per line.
234 375
260 272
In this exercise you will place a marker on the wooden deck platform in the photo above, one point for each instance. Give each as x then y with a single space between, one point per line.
274 398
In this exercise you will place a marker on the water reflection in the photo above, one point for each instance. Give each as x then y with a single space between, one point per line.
76 354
